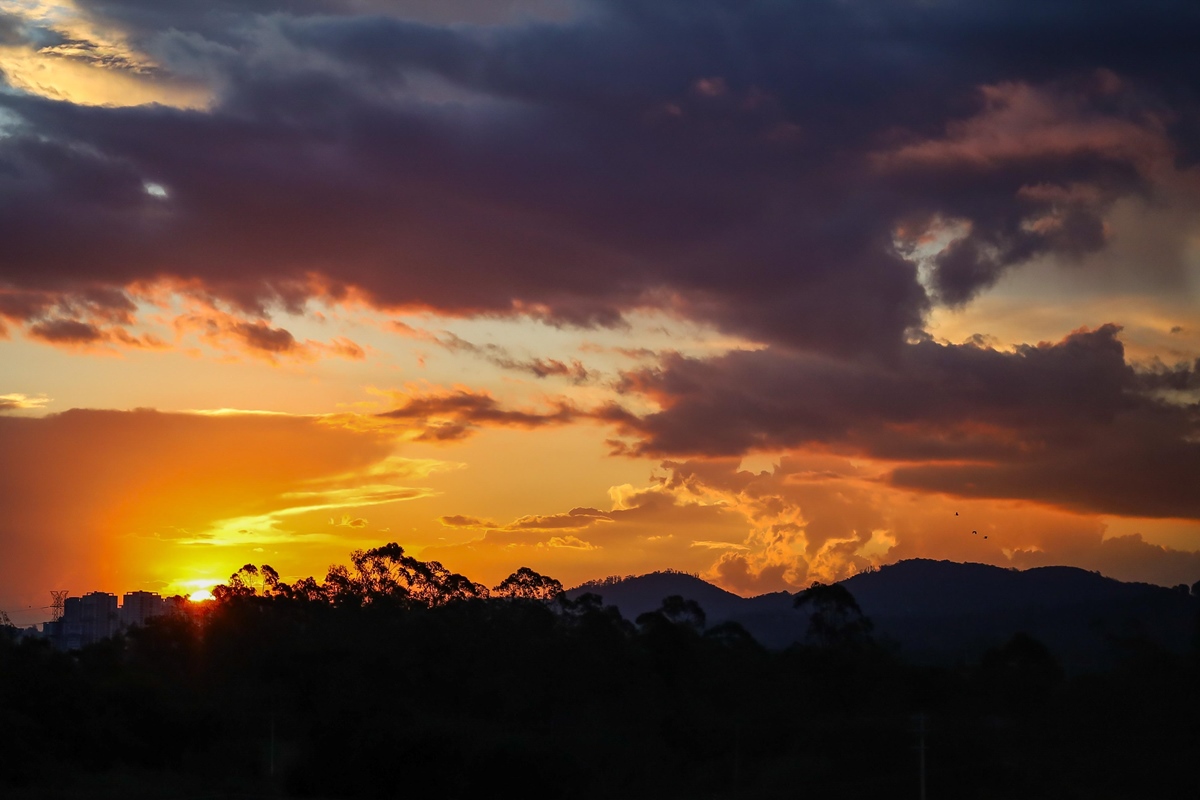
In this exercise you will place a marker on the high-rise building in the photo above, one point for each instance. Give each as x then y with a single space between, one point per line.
85 620
137 607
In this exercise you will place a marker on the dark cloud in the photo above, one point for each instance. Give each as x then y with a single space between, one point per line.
261 336
575 371
1127 558
1070 423
66 331
16 31
746 164
10 30
456 414
218 16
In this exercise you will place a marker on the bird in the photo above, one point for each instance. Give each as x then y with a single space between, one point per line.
976 533
956 513
985 537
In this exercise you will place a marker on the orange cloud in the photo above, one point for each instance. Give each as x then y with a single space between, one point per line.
1020 122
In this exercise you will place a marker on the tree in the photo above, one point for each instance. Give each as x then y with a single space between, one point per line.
525 584
835 618
385 573
270 580
684 612
241 584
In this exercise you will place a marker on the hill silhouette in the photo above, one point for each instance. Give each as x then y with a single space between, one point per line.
945 612
636 594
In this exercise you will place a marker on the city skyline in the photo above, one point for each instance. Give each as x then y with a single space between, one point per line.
769 293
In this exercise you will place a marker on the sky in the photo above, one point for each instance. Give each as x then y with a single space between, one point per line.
769 292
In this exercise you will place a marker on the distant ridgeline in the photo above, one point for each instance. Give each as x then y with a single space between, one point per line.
946 612
613 580
397 677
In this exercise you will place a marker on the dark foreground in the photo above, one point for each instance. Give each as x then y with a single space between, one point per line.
392 683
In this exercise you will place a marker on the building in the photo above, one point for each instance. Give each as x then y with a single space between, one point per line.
137 607
96 616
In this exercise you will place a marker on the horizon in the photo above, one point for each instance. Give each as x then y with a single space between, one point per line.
600 582
771 294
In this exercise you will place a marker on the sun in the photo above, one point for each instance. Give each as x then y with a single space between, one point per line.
200 596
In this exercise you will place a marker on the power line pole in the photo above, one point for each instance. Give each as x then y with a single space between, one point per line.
60 597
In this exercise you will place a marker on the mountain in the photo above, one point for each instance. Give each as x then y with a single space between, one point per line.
635 595
946 612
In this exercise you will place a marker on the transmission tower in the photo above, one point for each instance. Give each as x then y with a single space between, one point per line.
57 606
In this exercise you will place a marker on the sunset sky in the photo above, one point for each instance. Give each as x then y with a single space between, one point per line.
767 291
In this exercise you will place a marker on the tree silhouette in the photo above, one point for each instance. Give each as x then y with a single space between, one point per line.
382 574
525 584
835 618
241 584
684 612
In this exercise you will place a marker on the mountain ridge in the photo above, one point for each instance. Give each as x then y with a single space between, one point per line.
945 611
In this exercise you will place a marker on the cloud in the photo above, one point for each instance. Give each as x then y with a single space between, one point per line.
1020 123
441 415
528 169
1127 558
501 356
76 334
147 16
734 572
820 517
575 519
1070 423
22 402
570 542
52 50
461 521
1082 153
647 528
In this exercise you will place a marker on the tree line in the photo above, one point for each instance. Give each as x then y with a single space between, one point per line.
393 677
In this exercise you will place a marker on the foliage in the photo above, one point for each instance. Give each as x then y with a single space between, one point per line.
396 677
835 620
525 584
380 575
